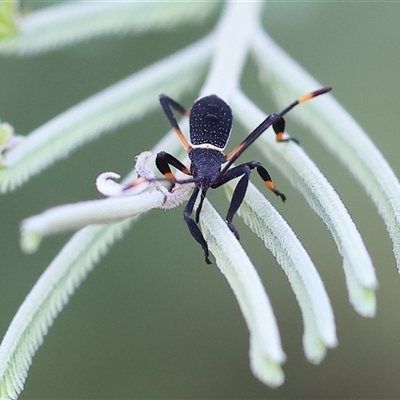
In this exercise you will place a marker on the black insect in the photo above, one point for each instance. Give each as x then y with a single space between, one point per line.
210 121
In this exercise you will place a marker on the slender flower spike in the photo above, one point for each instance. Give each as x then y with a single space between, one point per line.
107 186
122 204
106 182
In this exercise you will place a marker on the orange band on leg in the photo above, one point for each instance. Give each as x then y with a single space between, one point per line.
306 97
279 136
170 176
270 185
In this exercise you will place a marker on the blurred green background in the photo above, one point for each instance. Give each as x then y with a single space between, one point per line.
152 320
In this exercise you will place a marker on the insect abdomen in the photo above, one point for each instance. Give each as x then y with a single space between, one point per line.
210 122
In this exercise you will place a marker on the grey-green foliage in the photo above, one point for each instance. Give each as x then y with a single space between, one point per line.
221 55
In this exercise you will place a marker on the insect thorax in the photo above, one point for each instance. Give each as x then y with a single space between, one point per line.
206 163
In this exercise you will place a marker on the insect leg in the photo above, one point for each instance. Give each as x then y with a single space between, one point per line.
202 197
164 160
273 119
166 100
240 190
193 228
166 104
279 129
266 177
235 172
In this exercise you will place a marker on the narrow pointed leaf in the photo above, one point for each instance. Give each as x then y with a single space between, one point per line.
119 104
320 195
52 291
336 129
69 23
46 300
278 237
266 353
231 47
